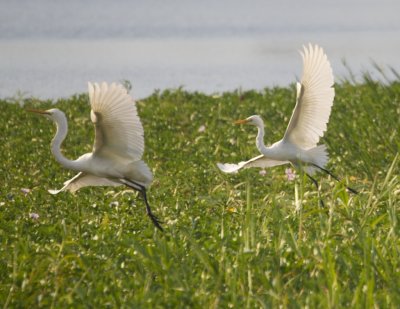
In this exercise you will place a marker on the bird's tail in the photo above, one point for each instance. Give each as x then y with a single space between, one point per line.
318 156
140 173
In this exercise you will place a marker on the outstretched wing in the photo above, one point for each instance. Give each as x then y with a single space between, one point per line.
81 180
117 124
315 96
259 161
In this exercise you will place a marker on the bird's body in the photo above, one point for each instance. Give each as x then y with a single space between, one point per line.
279 153
100 164
118 147
315 94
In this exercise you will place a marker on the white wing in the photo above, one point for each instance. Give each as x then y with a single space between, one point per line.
81 180
118 127
259 161
315 96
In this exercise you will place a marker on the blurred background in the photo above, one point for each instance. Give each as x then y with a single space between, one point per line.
51 49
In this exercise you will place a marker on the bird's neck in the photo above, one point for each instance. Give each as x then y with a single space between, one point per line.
260 141
62 130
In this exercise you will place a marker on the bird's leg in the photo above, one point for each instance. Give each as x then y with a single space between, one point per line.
142 190
321 202
336 178
153 218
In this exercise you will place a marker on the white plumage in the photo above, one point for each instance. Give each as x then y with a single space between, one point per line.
314 100
118 146
308 123
259 161
118 127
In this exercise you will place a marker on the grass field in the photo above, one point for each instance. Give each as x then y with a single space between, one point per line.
231 241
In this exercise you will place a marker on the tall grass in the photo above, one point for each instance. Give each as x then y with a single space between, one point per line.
244 240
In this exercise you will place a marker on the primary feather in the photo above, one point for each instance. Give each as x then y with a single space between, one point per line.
117 125
81 180
315 95
259 161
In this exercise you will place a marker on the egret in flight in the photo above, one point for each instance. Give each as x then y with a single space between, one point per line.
308 123
118 147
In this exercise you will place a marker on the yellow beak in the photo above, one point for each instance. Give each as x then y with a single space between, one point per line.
37 111
241 121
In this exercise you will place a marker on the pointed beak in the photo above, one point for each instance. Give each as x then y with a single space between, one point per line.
241 121
37 111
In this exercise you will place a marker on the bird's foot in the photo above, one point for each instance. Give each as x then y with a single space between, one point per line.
352 190
155 221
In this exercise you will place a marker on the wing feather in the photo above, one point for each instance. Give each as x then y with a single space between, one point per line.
81 180
117 124
259 161
315 96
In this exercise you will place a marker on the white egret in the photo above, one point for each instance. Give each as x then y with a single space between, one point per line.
118 146
308 123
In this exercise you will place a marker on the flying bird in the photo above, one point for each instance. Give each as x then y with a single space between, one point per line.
315 94
118 147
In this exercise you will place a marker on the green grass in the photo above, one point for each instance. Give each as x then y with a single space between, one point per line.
230 241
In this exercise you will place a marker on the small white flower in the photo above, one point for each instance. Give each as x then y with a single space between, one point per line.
291 175
114 204
34 216
25 191
263 172
201 129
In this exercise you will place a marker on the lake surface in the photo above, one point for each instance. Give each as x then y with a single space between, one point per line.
51 49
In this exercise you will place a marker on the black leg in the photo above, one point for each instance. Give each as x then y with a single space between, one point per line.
321 202
335 177
142 190
153 218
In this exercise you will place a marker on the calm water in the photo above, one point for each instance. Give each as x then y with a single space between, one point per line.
52 48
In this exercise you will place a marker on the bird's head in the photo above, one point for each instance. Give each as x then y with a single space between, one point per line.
53 113
254 120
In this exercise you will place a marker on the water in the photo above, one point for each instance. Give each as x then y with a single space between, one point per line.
50 49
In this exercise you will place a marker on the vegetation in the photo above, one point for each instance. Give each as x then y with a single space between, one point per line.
246 240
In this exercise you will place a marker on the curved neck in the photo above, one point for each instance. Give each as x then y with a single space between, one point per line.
260 139
61 134
267 151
